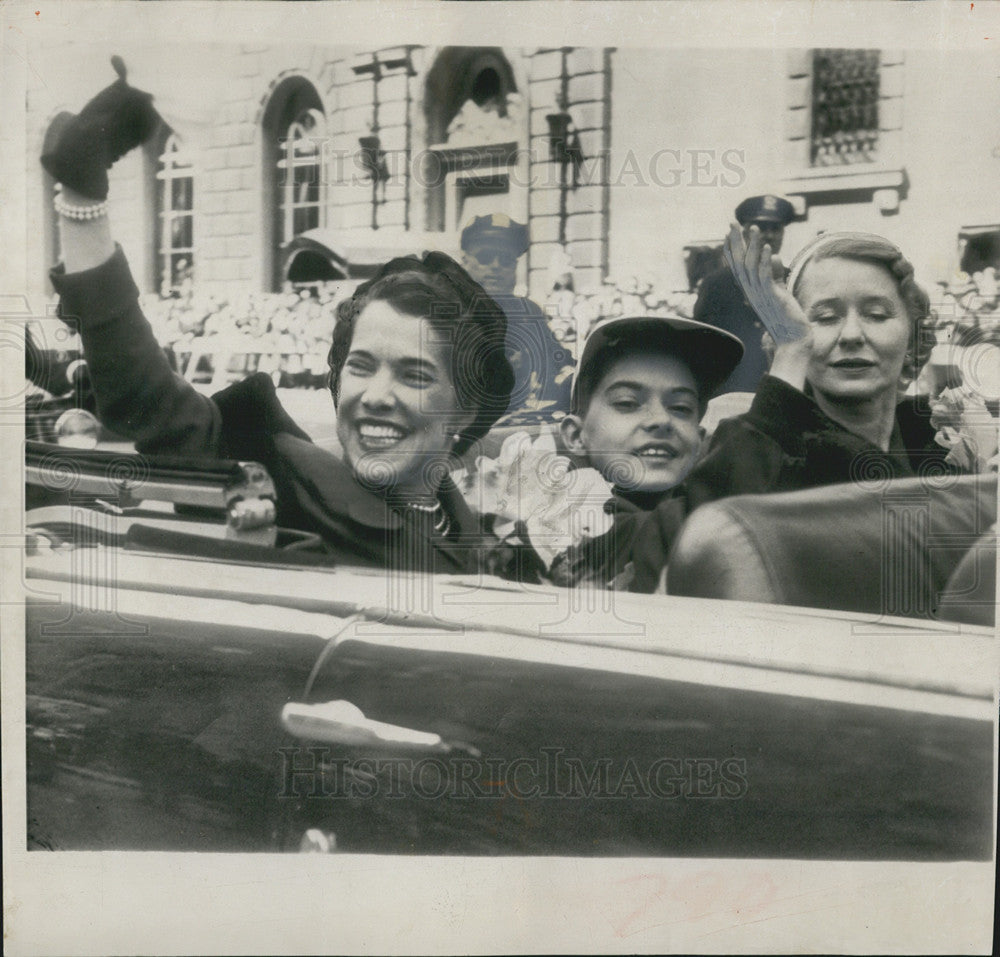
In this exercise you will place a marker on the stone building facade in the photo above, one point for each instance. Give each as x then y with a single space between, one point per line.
456 132
620 161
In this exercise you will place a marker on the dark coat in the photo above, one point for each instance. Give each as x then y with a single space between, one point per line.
785 443
631 556
782 444
139 397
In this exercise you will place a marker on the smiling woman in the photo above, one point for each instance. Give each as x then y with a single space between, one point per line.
848 333
860 332
418 373
832 411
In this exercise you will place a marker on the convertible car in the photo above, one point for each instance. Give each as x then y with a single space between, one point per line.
197 682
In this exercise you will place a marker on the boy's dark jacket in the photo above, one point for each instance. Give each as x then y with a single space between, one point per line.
784 443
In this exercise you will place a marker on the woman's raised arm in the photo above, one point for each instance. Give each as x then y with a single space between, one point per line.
137 393
85 243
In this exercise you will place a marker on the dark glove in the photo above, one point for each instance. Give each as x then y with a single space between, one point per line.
513 559
80 151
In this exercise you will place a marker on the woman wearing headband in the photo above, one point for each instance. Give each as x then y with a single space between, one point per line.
417 374
847 331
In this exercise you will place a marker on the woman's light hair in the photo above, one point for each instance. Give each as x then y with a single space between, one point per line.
870 248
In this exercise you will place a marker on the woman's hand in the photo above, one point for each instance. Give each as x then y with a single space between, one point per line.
751 265
78 155
782 316
79 152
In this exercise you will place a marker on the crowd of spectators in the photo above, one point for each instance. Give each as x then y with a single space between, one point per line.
288 334
285 334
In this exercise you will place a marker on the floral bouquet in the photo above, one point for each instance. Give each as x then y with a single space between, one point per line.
966 428
536 504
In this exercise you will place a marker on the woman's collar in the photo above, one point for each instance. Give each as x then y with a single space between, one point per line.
333 482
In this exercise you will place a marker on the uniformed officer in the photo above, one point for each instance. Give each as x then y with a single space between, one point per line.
720 299
491 247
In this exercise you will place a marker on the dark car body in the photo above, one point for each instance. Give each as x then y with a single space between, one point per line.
179 698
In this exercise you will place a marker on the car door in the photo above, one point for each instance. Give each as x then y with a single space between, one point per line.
231 706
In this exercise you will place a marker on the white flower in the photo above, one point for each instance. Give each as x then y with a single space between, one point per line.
966 428
532 484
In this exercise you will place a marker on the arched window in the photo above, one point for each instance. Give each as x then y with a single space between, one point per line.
299 201
175 217
481 75
294 128
472 115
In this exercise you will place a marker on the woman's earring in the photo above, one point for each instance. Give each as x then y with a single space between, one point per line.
455 438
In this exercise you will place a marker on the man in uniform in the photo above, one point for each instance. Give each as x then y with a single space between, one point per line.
721 302
491 247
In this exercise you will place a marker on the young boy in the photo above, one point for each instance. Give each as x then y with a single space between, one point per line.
641 387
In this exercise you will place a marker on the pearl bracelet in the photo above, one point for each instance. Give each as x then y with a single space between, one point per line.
80 213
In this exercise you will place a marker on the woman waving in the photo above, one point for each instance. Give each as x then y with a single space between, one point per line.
847 330
417 374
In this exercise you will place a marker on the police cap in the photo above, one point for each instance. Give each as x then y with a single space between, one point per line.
496 229
767 208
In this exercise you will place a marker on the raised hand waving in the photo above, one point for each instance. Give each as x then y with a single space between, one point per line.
773 303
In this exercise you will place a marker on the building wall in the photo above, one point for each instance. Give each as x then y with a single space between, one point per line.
713 101
233 211
671 141
951 155
588 80
693 132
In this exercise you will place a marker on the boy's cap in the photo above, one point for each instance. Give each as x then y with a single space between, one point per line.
709 352
496 229
767 208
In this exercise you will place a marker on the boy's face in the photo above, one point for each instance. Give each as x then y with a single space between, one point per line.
641 429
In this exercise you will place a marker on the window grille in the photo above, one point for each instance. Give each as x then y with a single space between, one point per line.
175 205
298 178
845 107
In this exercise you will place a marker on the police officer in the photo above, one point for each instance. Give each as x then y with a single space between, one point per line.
491 248
721 302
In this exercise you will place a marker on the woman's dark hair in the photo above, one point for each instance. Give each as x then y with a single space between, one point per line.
867 247
437 288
